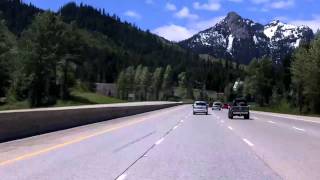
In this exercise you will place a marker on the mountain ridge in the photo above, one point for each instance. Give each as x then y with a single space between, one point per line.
241 39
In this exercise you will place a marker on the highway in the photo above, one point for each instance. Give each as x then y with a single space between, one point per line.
170 144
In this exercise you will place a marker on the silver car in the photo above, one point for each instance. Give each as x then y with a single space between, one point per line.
200 107
217 106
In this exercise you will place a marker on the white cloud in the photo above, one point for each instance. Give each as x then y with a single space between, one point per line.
284 4
212 5
132 14
184 13
171 7
174 32
149 2
313 23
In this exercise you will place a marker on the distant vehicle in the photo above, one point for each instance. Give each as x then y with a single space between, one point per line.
239 108
200 107
225 106
217 106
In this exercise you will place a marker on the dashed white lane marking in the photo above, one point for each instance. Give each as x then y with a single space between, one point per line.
182 121
248 142
122 177
230 127
299 129
271 122
222 121
255 118
159 141
175 127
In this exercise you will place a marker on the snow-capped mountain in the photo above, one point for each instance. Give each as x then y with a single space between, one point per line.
242 39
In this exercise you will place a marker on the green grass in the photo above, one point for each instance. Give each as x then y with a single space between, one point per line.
85 98
78 98
14 105
283 108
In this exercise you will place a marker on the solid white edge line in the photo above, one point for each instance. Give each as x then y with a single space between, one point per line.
299 129
271 122
248 142
230 127
122 177
159 141
286 117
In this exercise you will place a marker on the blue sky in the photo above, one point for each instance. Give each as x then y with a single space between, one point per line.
179 19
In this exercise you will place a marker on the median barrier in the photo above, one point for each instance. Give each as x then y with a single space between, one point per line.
25 123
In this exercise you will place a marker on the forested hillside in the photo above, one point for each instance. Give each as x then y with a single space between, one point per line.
44 54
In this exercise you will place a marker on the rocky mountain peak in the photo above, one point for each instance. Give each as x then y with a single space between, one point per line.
232 17
241 39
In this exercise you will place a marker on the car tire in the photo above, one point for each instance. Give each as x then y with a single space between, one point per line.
247 117
194 113
206 113
230 116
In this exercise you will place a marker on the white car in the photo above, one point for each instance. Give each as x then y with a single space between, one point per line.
200 107
217 106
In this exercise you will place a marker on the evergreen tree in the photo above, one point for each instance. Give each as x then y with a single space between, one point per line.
260 80
44 49
7 43
183 84
145 83
156 82
137 81
122 85
167 83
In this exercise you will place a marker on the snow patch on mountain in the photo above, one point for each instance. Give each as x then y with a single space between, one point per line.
255 40
243 39
230 43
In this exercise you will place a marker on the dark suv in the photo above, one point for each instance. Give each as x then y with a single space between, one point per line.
239 107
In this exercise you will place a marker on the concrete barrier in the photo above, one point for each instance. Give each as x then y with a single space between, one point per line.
25 123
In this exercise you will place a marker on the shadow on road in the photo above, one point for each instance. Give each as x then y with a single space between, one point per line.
240 118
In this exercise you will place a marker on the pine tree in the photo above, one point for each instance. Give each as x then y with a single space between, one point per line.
298 70
122 85
44 50
145 83
7 43
156 82
167 83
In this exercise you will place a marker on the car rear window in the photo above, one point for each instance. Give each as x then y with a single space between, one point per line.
241 103
201 104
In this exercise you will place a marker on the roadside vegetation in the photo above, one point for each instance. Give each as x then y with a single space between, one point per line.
43 55
76 98
290 87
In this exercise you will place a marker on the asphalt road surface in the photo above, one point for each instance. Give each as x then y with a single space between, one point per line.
170 144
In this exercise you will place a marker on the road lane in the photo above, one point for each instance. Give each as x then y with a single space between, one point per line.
100 157
170 144
201 149
291 151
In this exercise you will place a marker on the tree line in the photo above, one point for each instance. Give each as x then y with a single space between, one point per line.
146 84
43 55
294 83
